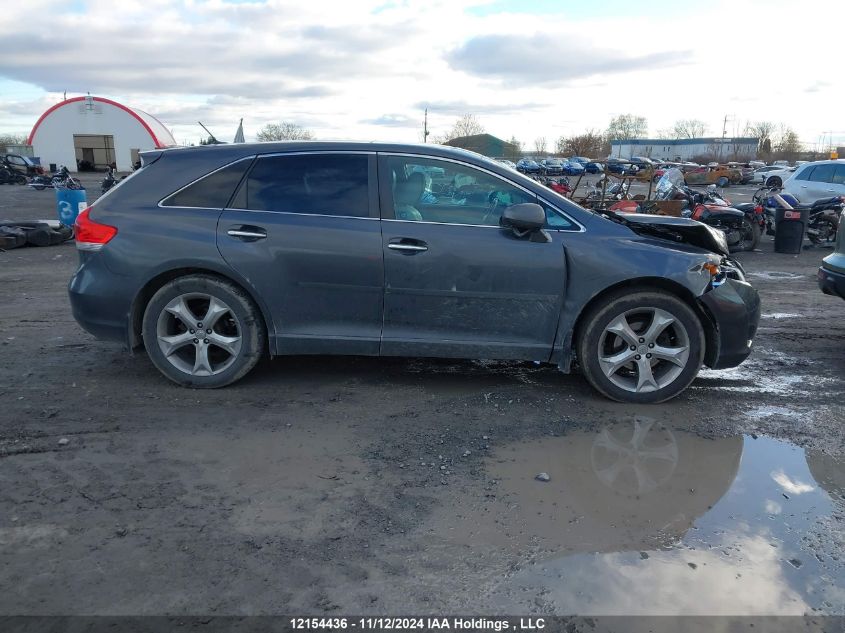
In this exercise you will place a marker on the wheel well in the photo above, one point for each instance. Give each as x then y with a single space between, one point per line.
136 314
629 286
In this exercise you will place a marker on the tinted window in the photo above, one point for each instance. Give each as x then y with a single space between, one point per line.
430 190
556 220
212 191
839 175
822 173
805 173
323 184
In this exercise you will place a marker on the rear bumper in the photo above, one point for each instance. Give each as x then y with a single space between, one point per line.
735 310
831 283
99 300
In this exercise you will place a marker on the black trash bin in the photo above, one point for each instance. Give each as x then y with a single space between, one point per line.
790 225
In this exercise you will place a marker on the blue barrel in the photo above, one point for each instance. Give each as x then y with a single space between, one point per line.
69 204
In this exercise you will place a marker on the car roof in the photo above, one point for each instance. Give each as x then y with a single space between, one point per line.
238 150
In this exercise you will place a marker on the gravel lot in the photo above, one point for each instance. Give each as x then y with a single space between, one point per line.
378 486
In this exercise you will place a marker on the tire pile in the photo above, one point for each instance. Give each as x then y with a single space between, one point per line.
17 234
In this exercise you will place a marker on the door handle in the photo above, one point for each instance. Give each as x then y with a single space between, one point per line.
407 245
247 233
416 248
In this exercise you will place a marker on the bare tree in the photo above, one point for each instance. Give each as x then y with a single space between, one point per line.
788 145
514 149
11 139
467 125
591 143
763 131
689 128
626 127
540 145
284 131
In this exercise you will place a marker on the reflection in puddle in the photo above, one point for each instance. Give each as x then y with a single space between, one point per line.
643 519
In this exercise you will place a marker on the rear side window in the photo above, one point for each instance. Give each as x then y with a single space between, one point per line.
822 173
319 184
839 175
212 191
805 173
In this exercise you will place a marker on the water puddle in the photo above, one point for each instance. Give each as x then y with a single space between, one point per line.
775 275
641 518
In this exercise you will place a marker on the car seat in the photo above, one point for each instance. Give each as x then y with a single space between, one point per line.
406 194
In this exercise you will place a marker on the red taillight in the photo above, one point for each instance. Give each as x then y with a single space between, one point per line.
758 209
90 235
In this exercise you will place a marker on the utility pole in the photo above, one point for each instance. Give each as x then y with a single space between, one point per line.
425 127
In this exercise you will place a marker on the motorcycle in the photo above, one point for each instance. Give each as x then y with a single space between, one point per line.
558 185
613 193
109 181
824 214
741 232
11 177
58 180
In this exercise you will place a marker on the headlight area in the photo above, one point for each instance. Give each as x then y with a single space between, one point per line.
720 270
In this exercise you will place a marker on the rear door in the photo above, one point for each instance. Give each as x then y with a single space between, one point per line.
456 284
304 230
819 184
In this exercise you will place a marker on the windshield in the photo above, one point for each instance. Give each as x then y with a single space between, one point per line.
670 182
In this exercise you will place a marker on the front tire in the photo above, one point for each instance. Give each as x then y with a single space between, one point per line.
643 347
750 236
203 332
774 181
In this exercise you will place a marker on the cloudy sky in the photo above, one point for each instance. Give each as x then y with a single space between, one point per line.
366 69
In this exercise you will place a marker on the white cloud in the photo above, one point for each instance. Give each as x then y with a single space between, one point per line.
366 69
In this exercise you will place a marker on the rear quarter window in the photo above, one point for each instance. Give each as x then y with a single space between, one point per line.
212 191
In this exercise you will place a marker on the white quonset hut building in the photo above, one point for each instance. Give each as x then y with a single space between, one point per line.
99 131
716 148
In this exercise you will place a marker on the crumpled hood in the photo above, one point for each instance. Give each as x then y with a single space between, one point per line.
680 230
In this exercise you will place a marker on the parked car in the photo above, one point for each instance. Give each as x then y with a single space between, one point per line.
832 271
719 175
594 167
642 162
761 173
817 180
528 166
22 165
583 160
507 163
776 176
212 257
551 166
573 168
620 166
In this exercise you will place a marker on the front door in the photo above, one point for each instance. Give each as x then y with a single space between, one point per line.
304 230
456 284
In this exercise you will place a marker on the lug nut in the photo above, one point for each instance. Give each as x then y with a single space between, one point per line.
648 355
633 347
196 340
208 331
642 340
199 325
651 344
193 331
637 357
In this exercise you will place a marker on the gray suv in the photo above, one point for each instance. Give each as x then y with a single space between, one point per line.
212 257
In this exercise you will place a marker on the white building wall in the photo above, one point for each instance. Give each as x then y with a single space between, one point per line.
53 139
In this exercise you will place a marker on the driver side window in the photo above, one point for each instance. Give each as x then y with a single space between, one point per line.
431 190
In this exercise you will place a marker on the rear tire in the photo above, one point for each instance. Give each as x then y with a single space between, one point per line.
641 347
203 332
750 236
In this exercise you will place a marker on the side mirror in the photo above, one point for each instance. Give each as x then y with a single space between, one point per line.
524 217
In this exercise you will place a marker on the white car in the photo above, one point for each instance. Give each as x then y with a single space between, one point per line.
817 180
773 175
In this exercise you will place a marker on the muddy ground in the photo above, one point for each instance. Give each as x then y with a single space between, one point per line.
378 486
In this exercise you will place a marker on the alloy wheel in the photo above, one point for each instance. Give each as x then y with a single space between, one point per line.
643 350
199 334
